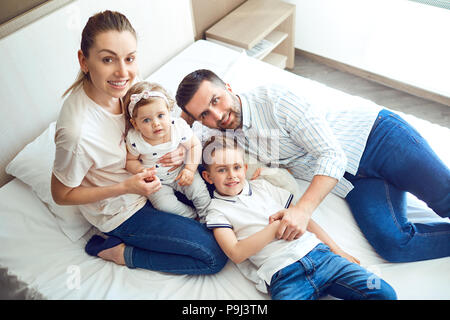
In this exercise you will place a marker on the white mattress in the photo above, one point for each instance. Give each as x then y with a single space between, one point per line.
37 252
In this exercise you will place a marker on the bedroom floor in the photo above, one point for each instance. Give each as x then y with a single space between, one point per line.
380 94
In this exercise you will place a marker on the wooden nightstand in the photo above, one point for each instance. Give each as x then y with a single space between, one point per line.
264 23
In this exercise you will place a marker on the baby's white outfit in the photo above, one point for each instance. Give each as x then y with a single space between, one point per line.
165 199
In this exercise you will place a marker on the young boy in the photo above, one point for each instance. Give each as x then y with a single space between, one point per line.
306 268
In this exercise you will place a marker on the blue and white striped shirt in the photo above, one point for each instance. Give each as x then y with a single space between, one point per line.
281 129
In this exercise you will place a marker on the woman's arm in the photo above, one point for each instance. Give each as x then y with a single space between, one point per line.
64 195
240 250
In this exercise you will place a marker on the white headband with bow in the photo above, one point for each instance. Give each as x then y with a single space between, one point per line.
135 98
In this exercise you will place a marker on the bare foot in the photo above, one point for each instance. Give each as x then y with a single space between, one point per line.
114 254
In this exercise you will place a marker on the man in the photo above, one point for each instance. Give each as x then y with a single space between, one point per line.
367 156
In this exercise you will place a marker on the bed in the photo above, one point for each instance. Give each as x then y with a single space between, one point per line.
42 245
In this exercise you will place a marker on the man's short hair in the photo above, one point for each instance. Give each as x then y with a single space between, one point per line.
190 84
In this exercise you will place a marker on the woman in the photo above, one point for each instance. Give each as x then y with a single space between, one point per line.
89 168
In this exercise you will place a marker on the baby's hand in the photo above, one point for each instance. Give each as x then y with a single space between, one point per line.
185 177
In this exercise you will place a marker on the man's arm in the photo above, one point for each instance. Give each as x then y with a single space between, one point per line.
295 219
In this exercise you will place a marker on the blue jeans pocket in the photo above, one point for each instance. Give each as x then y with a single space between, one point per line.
321 247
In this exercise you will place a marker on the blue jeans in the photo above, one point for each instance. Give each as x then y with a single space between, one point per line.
166 242
322 272
397 160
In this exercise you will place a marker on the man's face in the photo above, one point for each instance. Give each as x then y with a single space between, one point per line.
216 107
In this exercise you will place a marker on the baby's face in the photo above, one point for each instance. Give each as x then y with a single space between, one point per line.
227 171
153 121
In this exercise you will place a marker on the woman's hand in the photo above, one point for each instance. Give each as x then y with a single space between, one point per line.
173 159
144 183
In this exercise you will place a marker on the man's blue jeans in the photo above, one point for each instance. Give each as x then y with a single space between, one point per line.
322 272
166 242
397 160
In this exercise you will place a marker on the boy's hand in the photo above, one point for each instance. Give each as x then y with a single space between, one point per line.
185 177
345 255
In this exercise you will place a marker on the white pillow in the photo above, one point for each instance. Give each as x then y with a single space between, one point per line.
33 165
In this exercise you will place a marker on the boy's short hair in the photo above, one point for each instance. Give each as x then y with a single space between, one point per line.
218 142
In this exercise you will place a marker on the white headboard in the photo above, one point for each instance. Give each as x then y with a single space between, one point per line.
39 62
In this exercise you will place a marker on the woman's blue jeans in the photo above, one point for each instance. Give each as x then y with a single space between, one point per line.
166 242
322 272
397 160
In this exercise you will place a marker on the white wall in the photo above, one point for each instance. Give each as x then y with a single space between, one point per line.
399 39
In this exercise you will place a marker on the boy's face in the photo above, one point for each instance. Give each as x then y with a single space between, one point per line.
227 171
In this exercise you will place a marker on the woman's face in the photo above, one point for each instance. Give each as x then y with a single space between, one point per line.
111 65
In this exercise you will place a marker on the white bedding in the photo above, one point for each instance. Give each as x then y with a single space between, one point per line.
35 250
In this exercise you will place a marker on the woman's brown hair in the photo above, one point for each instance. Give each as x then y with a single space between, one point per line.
98 23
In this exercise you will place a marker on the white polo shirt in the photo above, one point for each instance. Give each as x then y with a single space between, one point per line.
248 213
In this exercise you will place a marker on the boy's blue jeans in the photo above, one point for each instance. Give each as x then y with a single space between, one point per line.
322 272
397 160
166 242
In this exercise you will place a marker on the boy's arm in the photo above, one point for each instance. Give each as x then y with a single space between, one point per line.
325 238
240 250
322 235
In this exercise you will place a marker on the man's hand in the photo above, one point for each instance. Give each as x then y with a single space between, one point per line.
173 159
294 223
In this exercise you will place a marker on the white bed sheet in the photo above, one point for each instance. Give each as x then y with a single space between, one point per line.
35 250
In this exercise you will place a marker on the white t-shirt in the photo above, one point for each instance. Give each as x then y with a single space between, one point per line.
180 132
91 152
248 213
